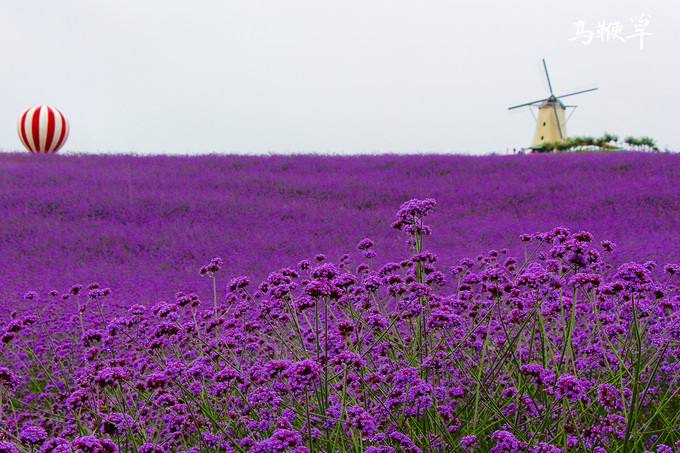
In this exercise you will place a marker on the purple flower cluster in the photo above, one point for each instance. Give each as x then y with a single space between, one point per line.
212 268
557 351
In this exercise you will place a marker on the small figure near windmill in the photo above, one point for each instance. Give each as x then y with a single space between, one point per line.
551 122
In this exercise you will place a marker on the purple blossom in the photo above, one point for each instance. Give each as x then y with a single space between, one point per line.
7 378
505 443
405 443
6 447
90 444
281 440
544 447
468 443
361 421
32 435
410 215
365 244
609 396
238 283
212 268
113 376
571 388
303 375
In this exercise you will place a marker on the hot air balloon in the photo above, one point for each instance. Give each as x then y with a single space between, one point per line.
43 129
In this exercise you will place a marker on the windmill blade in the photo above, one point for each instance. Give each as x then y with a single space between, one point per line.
527 103
557 118
577 92
547 76
566 120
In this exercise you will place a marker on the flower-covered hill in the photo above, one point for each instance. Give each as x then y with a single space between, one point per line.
143 225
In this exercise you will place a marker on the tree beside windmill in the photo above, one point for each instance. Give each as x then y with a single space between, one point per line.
551 121
607 142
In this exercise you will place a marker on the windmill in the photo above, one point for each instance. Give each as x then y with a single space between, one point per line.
551 124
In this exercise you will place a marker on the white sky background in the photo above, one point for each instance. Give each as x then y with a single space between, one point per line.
346 76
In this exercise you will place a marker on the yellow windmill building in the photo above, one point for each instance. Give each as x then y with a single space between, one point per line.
551 121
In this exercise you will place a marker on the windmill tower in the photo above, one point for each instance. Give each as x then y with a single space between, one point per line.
551 122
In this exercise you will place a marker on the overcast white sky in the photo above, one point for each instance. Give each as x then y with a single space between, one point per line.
346 76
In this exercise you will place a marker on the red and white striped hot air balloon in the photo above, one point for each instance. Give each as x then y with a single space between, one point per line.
43 129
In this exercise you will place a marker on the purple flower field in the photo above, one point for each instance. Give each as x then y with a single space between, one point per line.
144 225
514 304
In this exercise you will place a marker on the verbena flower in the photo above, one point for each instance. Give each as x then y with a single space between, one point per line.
571 388
32 435
303 375
505 442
